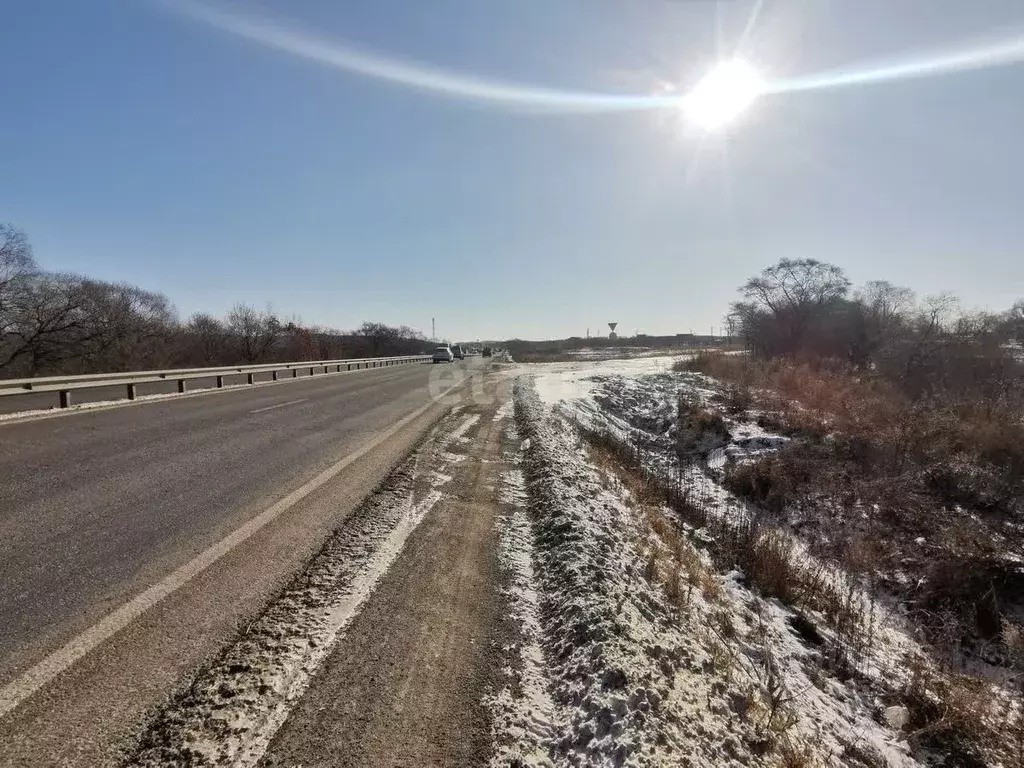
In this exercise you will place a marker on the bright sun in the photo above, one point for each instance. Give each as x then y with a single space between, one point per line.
723 95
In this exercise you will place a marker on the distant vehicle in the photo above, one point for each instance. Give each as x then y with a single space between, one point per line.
486 352
443 355
457 351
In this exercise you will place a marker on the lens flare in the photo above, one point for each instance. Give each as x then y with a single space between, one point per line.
980 55
276 35
721 98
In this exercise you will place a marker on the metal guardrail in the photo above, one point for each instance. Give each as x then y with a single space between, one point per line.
65 385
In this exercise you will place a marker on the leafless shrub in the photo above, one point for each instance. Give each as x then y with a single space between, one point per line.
698 430
795 752
950 713
651 566
775 699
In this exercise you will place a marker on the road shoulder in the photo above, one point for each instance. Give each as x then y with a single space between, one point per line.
408 683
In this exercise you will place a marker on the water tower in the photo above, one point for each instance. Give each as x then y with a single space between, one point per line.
612 335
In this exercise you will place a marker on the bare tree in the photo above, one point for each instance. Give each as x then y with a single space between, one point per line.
207 339
253 332
795 293
47 324
379 335
60 323
16 259
888 304
16 267
879 315
132 327
1013 323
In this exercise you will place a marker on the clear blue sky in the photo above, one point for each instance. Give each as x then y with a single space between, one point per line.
143 143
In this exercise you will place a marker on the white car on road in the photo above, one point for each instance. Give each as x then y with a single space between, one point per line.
443 355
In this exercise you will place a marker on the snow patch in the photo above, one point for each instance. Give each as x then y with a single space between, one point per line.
523 712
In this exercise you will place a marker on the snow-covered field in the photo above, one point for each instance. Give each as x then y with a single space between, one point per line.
578 380
609 353
652 655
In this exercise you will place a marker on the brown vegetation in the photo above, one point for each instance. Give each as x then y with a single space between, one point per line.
950 711
906 469
941 484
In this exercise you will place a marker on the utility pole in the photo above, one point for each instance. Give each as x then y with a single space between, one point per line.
433 331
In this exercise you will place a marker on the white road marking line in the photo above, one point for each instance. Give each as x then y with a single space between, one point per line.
19 689
280 405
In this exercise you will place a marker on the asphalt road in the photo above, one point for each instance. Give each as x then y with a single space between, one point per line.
95 506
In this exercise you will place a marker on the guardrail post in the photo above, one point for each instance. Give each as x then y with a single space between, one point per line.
348 366
182 387
295 373
248 378
220 382
65 398
131 391
273 375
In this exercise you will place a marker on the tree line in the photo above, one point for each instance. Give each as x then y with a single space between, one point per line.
54 323
805 309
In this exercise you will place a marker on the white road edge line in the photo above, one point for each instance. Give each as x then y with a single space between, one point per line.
280 405
30 681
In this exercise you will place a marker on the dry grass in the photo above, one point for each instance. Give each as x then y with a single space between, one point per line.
929 489
827 399
941 483
949 711
766 556
698 430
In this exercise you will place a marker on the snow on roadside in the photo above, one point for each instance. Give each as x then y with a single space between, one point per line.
523 714
643 683
233 709
626 679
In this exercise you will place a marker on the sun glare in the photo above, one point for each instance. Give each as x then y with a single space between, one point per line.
723 95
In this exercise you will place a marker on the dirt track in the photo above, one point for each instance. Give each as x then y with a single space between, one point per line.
405 686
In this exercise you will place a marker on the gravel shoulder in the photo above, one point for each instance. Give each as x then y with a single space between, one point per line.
407 684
